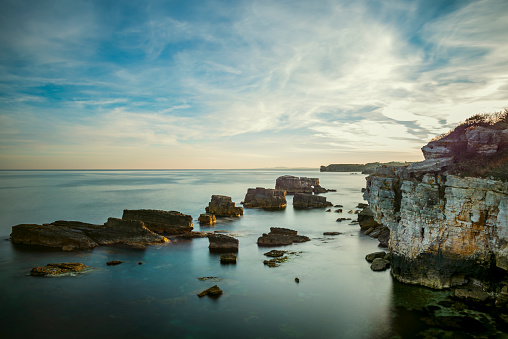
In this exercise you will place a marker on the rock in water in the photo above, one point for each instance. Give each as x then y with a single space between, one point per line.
379 264
223 206
58 269
162 222
207 219
281 236
294 185
114 262
267 198
72 235
304 201
222 242
371 256
228 258
213 292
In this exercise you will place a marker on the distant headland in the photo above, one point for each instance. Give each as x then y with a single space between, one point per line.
367 168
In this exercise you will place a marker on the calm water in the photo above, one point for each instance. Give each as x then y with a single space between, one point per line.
338 295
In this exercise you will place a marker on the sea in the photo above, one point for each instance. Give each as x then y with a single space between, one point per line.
153 293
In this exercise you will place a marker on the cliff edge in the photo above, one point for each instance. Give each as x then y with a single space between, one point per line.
448 215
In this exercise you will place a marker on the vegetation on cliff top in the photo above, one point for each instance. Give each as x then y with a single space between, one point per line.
467 162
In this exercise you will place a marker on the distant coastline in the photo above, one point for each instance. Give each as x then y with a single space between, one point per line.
367 168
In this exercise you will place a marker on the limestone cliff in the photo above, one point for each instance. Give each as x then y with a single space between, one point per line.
445 230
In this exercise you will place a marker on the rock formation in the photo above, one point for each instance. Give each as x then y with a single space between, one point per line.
162 222
207 219
228 258
223 206
69 268
213 292
72 235
281 236
267 198
372 228
445 230
304 200
222 242
294 185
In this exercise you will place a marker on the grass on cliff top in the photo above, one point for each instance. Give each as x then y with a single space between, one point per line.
472 164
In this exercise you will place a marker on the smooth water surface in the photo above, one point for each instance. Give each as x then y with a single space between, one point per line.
338 296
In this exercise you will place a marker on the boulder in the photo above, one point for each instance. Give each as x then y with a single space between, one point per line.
384 237
207 219
228 258
379 264
371 256
162 222
222 242
69 268
267 198
213 292
72 235
280 237
292 185
223 206
304 201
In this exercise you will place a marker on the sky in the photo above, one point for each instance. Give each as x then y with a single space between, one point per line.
242 84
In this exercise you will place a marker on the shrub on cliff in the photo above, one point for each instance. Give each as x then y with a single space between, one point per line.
470 162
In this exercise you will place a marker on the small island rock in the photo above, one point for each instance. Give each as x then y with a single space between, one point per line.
266 198
304 201
207 219
281 236
162 222
58 269
292 185
223 206
222 242
213 292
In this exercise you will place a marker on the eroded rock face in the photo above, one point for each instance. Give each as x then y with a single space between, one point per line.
223 206
304 200
292 185
443 229
281 236
162 222
222 242
73 235
266 198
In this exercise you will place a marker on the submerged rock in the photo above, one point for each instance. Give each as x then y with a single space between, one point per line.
58 269
222 242
213 292
73 235
281 236
304 201
223 206
292 185
162 222
114 262
267 198
275 253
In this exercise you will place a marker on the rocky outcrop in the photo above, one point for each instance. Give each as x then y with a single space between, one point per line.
207 219
223 206
369 226
294 185
304 200
266 198
162 222
213 292
280 237
222 242
73 235
54 270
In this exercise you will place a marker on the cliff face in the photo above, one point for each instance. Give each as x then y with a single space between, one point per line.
444 230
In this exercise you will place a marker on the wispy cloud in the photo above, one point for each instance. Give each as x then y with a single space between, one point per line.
333 80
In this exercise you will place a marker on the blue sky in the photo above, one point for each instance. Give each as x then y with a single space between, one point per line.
242 84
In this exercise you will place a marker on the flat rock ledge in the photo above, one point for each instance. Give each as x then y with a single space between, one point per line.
61 269
304 201
222 242
280 237
223 206
162 222
267 198
75 235
228 258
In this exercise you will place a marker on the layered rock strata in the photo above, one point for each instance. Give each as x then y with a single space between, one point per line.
279 236
162 222
267 198
304 201
222 242
444 230
223 206
292 185
73 235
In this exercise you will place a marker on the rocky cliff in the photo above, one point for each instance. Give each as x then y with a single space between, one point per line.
446 230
